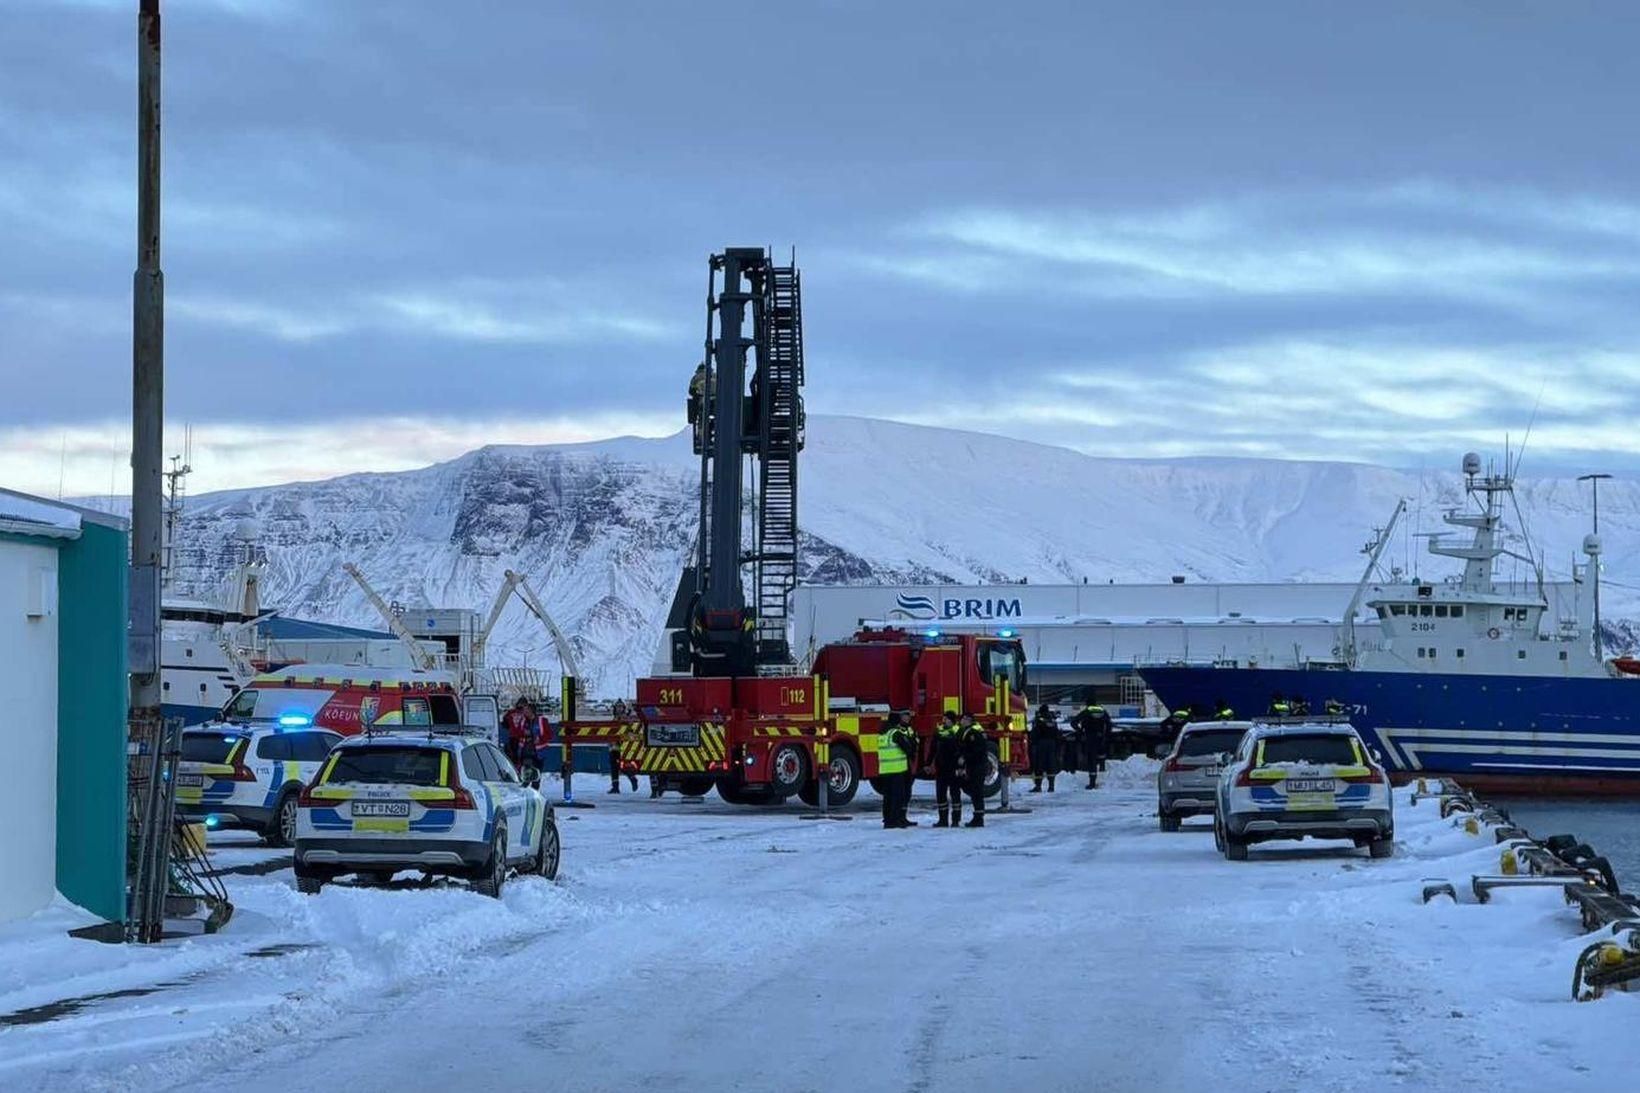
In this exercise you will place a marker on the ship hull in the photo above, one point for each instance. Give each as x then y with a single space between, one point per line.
1506 734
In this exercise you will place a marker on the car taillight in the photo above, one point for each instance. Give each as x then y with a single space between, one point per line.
1172 764
1373 774
306 799
242 773
460 798
1244 776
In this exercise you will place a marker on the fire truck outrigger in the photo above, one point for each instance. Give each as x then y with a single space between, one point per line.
735 712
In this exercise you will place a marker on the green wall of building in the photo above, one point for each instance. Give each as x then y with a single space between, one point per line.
92 699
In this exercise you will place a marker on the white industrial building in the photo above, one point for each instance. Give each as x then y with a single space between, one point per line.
1078 636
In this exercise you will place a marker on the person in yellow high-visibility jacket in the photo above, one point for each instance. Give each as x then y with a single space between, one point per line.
896 750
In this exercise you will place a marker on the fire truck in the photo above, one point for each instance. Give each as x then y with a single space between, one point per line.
734 711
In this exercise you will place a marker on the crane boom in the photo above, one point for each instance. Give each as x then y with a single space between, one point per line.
566 652
1374 550
482 637
418 655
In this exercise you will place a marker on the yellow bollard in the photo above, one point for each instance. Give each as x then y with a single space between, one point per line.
1472 826
1423 787
1507 865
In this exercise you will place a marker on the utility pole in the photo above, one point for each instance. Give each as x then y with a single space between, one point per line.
147 381
1591 547
150 784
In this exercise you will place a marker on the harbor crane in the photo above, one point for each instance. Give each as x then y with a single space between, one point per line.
420 657
515 582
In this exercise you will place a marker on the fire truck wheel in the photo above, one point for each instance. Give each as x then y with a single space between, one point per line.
788 769
694 787
845 777
993 773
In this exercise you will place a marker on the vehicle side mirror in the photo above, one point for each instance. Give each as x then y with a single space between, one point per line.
1377 756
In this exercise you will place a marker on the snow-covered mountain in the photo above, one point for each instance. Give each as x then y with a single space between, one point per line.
602 529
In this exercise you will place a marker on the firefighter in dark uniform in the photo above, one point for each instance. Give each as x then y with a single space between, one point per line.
1174 722
947 758
896 755
976 755
1092 725
1045 748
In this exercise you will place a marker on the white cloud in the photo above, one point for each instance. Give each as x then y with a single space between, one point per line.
467 311
1415 237
94 460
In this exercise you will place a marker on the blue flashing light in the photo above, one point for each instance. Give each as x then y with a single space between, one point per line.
1005 633
293 720
213 821
932 632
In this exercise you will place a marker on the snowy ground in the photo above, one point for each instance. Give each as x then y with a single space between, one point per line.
701 946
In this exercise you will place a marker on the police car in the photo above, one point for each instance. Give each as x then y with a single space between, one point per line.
446 803
1308 780
249 776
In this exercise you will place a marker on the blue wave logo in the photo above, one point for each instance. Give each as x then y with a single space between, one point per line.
915 607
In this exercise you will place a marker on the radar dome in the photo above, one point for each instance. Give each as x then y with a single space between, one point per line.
1591 545
1471 464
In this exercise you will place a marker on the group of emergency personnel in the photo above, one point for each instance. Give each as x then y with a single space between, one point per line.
961 756
1089 745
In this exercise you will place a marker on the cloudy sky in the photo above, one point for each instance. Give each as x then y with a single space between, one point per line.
398 230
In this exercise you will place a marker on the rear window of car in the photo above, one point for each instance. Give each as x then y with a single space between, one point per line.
1210 742
1316 748
207 747
391 765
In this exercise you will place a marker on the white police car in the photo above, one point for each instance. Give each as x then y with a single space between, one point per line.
1296 781
249 776
442 803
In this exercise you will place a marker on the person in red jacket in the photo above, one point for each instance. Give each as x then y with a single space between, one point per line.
518 729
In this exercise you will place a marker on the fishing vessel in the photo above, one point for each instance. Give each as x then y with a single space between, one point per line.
1460 677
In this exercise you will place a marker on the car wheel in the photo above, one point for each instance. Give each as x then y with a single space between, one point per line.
1235 849
308 882
551 850
1218 835
493 873
1381 848
694 787
281 829
1168 822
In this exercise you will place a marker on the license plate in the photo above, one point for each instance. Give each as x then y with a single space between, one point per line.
190 780
1311 785
673 736
392 809
1211 772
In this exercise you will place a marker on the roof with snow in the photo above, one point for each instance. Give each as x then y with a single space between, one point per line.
21 514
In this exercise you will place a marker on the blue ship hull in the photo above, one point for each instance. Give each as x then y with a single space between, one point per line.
1511 734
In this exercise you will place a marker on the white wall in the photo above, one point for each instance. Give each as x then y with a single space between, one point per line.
28 731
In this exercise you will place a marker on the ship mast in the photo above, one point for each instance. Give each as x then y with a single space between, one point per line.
1374 550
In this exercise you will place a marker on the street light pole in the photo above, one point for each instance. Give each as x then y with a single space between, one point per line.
1591 547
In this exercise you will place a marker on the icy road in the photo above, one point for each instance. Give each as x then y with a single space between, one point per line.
705 947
